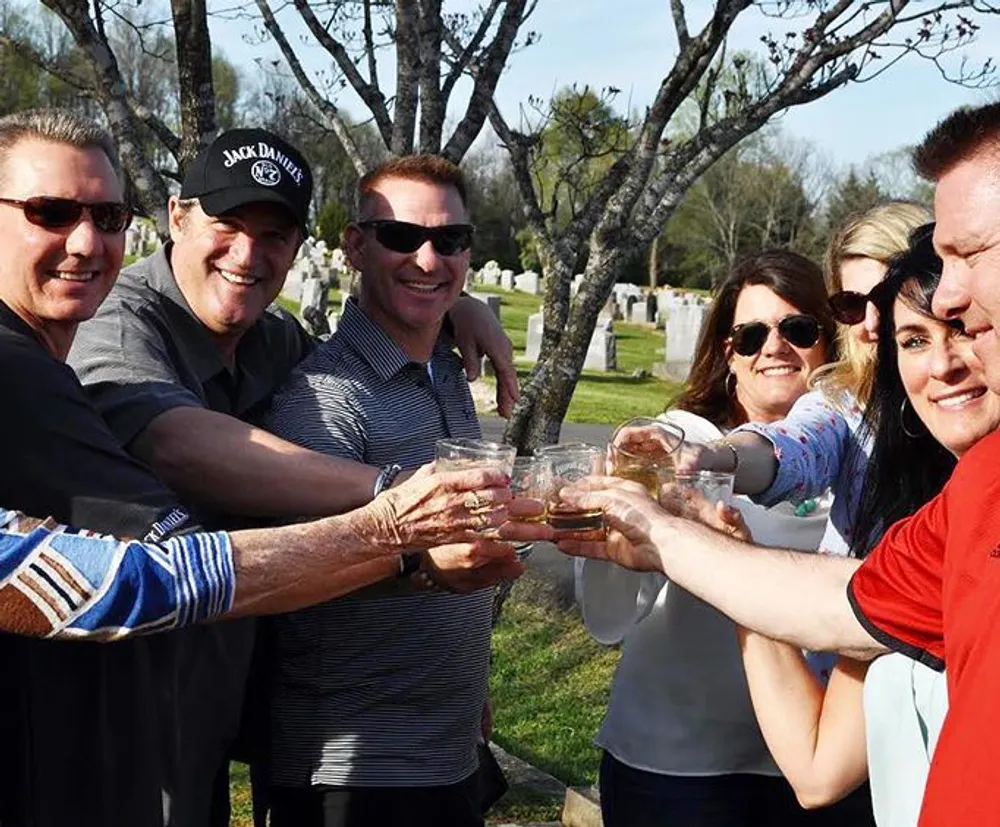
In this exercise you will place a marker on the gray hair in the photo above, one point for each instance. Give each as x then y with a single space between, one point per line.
61 126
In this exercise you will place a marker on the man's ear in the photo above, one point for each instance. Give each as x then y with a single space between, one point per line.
354 245
175 217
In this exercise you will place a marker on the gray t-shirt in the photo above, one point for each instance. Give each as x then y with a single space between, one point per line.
384 687
144 353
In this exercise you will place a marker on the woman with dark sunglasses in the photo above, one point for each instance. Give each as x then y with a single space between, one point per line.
681 743
928 405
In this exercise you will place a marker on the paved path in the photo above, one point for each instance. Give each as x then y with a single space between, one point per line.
571 432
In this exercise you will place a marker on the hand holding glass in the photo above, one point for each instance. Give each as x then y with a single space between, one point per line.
642 450
570 463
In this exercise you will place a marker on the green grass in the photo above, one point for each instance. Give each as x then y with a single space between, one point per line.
549 685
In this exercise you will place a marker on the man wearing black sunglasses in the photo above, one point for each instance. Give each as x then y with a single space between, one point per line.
386 386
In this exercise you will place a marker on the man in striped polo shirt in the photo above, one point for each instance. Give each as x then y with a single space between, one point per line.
378 696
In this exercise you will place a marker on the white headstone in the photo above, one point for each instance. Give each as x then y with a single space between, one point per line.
490 300
528 282
683 327
533 344
490 274
507 279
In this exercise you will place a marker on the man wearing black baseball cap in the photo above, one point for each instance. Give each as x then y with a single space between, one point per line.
183 357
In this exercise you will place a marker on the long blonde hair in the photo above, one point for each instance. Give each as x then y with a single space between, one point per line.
878 233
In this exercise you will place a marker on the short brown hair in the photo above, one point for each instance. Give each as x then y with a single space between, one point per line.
430 169
793 277
60 126
964 133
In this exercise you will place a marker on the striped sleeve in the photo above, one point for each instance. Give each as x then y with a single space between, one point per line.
58 582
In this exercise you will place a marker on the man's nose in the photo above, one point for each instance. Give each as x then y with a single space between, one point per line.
951 299
85 240
427 257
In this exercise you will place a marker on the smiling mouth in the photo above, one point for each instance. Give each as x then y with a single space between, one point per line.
422 286
960 399
780 370
74 275
237 278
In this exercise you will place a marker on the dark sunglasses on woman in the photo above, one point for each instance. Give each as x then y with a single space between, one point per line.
799 330
848 306
59 213
404 237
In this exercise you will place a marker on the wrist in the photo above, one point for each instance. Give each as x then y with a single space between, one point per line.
386 477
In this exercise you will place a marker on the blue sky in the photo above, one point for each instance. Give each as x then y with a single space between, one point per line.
633 46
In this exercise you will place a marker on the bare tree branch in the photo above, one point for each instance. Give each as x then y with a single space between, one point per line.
432 102
487 75
109 89
334 120
367 91
463 57
680 22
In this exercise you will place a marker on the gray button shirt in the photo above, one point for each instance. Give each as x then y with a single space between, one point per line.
383 687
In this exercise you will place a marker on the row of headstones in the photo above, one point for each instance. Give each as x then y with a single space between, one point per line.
491 275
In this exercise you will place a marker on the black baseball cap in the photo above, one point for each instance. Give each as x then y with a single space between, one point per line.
243 166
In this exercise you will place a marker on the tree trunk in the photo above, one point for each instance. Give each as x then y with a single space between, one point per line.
194 75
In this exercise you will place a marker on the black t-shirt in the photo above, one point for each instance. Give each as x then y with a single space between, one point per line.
87 731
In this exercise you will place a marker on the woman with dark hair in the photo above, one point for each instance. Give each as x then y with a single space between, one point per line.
928 404
681 743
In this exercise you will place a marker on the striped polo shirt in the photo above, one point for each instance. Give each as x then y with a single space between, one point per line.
383 687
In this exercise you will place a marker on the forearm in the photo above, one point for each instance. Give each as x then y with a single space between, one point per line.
288 568
757 466
818 746
793 596
223 463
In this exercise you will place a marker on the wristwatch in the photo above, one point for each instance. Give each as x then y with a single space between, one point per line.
409 563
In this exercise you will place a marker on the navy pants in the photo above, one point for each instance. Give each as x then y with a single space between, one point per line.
635 798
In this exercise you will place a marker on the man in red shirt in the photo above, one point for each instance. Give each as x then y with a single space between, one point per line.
931 588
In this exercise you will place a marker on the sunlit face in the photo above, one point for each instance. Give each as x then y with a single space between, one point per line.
944 380
967 237
769 382
56 278
230 267
860 275
408 294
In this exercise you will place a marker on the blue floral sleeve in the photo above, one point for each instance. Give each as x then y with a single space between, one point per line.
811 444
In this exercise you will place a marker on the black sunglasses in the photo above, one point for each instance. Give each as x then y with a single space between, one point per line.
404 237
58 213
799 330
848 306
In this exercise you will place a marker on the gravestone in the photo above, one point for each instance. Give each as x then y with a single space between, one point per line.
643 312
490 300
313 305
490 274
528 282
683 326
602 353
507 279
626 308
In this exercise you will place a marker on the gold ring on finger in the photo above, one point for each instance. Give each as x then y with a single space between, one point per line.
473 502
482 520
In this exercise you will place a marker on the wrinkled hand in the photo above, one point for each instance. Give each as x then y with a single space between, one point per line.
468 567
522 508
689 504
658 440
432 509
478 333
630 514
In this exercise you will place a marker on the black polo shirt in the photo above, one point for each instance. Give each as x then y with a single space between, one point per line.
144 353
86 729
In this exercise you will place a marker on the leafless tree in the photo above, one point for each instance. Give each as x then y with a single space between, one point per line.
828 44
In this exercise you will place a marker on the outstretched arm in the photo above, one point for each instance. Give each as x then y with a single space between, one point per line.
817 737
787 595
478 333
